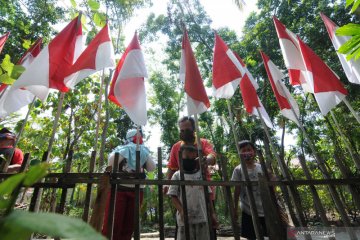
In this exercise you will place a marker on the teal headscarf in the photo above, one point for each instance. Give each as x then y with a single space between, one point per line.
128 151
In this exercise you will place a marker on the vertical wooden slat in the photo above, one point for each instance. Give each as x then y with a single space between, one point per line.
85 215
184 200
272 218
161 198
34 203
25 163
113 192
137 200
67 169
229 199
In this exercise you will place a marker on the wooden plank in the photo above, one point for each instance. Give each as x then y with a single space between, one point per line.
87 202
67 169
137 201
184 200
229 199
113 192
161 197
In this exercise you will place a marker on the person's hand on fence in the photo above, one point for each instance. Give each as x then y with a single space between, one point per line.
165 189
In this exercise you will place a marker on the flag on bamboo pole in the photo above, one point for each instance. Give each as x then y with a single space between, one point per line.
3 40
227 70
49 68
327 88
197 99
98 55
351 67
16 98
248 87
293 60
127 88
282 94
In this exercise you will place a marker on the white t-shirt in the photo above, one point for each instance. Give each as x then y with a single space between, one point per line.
195 199
244 200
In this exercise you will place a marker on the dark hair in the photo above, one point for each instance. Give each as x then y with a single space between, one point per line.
186 118
244 143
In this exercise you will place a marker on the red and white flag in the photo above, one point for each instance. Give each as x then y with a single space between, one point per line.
3 40
282 94
98 55
227 70
16 98
127 87
49 68
248 87
328 89
291 52
197 99
351 67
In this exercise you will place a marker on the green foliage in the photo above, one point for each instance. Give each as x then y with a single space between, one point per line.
21 224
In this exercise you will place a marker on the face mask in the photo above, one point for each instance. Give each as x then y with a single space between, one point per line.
247 156
187 135
189 164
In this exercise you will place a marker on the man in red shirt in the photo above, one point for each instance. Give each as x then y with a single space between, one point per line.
7 143
187 136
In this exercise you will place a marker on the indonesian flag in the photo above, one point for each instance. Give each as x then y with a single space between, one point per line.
49 68
291 52
248 87
16 98
197 100
282 94
98 55
351 67
227 70
3 40
127 87
328 89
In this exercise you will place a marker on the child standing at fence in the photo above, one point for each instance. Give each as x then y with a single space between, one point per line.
195 198
247 154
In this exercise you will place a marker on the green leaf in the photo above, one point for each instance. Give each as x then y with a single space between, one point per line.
35 173
50 224
17 71
73 3
94 5
6 64
350 29
5 78
26 44
8 186
355 6
348 3
349 45
99 19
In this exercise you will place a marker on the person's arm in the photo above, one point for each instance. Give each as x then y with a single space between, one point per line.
17 159
111 159
172 165
150 164
209 152
177 204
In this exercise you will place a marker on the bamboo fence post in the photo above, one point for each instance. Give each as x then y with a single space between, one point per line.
184 200
85 215
113 193
229 199
67 169
161 198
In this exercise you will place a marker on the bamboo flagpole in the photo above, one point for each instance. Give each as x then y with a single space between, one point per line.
99 107
346 143
294 194
339 205
137 188
249 191
203 173
352 110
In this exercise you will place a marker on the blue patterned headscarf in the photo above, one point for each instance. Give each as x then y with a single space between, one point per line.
128 151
